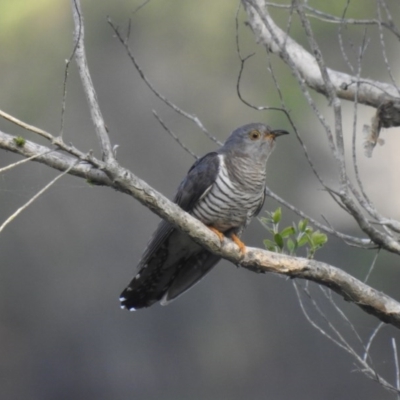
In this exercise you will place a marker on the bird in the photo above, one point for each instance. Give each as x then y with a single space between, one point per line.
224 189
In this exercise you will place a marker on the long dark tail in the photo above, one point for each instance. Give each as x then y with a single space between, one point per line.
168 268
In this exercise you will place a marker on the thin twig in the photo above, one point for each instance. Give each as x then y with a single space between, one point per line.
351 21
353 239
390 24
354 134
174 136
140 6
328 295
340 37
338 150
191 117
383 47
341 341
32 199
23 161
396 364
340 338
371 339
391 223
371 268
312 322
57 141
26 126
242 64
66 73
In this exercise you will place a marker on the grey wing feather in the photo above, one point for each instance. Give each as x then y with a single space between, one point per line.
260 206
198 180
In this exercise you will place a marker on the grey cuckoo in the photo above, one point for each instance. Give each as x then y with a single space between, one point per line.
224 189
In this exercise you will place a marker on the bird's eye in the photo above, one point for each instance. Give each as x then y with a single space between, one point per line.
254 135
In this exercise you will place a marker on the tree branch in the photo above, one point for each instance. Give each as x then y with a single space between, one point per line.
370 92
87 84
311 72
257 260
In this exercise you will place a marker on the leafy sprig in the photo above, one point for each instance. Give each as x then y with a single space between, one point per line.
289 239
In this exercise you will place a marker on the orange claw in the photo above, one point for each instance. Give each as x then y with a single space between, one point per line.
220 235
241 245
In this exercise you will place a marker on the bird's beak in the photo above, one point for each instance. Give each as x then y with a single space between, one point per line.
279 132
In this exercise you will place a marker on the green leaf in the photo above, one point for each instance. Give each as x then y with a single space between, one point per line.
319 239
303 225
277 215
288 231
269 244
278 240
291 246
302 240
309 230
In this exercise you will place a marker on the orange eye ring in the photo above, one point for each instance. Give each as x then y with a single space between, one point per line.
254 135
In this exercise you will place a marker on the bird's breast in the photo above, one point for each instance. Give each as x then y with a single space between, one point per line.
233 198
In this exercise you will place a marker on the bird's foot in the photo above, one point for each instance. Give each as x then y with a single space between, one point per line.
220 235
240 244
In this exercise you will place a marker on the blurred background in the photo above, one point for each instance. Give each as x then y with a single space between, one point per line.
65 260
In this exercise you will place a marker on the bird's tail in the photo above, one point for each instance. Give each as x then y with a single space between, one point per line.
156 283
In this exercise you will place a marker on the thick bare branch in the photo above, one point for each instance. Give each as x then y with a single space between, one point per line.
87 84
370 92
351 289
56 159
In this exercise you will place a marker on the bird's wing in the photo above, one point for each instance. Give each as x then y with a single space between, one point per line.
260 206
191 271
198 181
170 251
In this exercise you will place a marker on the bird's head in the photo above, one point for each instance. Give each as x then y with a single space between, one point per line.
254 140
